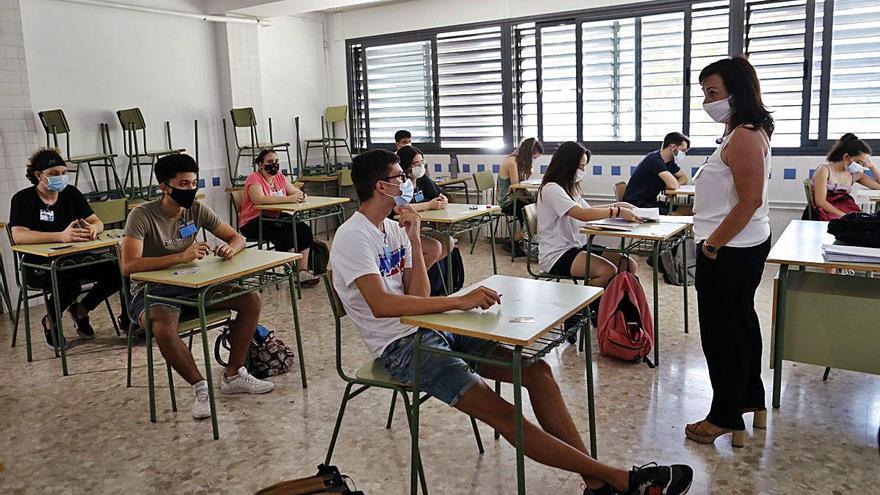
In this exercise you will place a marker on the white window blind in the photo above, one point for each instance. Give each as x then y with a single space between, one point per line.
774 42
400 91
609 80
709 42
854 102
525 82
662 77
558 83
358 93
470 92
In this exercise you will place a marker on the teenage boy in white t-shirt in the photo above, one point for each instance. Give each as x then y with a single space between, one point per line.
380 275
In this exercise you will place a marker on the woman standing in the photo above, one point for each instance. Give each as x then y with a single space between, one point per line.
731 223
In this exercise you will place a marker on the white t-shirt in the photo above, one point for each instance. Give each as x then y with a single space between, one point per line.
359 249
557 232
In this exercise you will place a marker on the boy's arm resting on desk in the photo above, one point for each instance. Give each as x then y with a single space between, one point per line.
671 181
387 305
681 177
73 233
132 260
233 239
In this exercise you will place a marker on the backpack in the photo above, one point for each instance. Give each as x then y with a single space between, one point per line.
857 229
267 354
319 257
328 480
670 263
626 330
437 275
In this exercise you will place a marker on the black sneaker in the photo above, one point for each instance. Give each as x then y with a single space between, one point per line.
83 327
50 334
652 479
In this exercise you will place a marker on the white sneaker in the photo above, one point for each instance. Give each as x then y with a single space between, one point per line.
244 383
308 279
201 403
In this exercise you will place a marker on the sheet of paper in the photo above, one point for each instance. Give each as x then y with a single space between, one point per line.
648 214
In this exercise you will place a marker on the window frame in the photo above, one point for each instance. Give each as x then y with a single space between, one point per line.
809 147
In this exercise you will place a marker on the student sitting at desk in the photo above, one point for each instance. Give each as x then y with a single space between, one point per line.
426 196
562 249
402 138
516 168
162 233
53 211
848 160
657 172
380 275
268 186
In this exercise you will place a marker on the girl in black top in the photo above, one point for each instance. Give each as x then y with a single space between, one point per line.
53 211
427 196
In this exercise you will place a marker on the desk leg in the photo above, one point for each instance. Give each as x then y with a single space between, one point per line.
684 269
414 433
591 404
467 194
492 242
779 326
513 231
260 231
151 388
27 314
585 335
518 420
296 263
655 254
59 332
5 289
208 363
299 347
449 274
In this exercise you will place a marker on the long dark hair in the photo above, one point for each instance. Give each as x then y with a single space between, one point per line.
407 154
564 165
523 156
848 144
744 88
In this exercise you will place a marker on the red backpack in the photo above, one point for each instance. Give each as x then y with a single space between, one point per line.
626 330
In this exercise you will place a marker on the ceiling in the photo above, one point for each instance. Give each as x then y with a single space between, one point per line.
274 8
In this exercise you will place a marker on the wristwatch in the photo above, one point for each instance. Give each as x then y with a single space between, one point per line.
710 248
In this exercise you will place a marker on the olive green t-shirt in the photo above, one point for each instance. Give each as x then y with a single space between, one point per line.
161 234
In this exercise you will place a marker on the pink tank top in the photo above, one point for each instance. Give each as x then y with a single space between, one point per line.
248 212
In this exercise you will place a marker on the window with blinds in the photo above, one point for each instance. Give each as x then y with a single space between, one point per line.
558 90
609 80
400 91
469 88
525 82
662 75
710 28
357 102
774 42
854 101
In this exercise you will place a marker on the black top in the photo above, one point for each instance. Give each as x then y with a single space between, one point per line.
645 183
427 188
28 210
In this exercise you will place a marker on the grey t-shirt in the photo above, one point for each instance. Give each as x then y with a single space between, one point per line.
162 235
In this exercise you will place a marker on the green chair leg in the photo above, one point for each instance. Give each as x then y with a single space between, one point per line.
130 340
409 420
339 417
171 386
17 316
497 391
391 410
477 435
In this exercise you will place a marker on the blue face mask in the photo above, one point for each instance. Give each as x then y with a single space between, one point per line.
56 183
407 189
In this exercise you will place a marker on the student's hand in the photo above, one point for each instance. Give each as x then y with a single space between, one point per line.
195 251
223 251
439 202
623 204
411 222
481 297
75 233
93 230
298 196
629 216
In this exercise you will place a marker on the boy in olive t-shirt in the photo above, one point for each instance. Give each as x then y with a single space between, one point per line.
163 233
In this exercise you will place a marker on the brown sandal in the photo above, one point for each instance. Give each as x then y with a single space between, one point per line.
697 432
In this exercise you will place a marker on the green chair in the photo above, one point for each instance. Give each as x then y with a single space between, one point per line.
134 129
619 191
329 139
484 182
245 118
55 123
111 212
343 182
811 206
371 374
235 198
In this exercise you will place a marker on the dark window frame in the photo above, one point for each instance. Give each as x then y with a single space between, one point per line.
808 147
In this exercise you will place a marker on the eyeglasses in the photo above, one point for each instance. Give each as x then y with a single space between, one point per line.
402 177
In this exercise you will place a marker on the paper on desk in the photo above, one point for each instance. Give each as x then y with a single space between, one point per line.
534 182
858 254
648 214
617 224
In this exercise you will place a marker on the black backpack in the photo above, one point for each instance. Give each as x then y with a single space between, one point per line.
856 229
437 275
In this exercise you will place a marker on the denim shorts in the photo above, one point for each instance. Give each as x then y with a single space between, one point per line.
136 308
446 378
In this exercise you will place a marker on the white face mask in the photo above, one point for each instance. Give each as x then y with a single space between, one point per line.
856 168
719 111
418 171
580 175
679 158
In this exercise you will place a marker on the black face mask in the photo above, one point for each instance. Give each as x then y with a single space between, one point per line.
271 168
184 197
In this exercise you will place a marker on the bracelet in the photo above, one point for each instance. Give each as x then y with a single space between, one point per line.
618 212
610 212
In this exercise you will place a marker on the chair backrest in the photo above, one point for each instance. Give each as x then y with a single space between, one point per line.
338 315
337 114
484 181
54 122
131 119
619 190
345 178
14 255
808 191
237 198
243 117
530 212
111 211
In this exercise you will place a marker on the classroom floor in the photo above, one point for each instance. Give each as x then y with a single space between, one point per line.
88 433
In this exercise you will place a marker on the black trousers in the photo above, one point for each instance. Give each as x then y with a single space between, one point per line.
730 331
279 233
105 276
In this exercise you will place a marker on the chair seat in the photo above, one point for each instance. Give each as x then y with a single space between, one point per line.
328 139
213 317
265 146
374 372
91 158
158 153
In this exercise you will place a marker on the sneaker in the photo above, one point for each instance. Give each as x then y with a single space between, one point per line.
83 327
244 383
50 334
308 279
201 402
652 479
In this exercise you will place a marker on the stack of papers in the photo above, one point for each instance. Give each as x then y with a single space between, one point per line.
853 254
612 224
648 214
